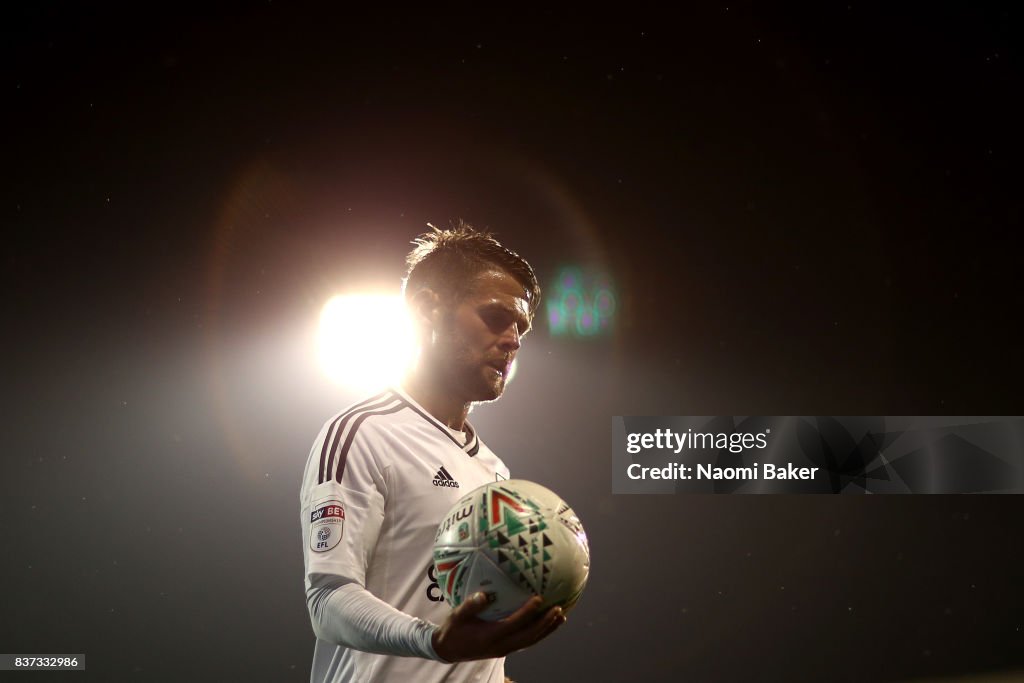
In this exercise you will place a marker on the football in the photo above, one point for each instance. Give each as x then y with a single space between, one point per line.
511 540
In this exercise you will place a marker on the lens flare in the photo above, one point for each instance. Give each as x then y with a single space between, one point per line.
582 304
366 341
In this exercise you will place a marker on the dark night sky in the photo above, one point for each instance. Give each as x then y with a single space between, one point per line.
807 212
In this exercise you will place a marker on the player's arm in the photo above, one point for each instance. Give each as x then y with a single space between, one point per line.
341 522
352 616
349 615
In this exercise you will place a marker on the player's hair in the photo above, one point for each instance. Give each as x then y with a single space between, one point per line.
447 261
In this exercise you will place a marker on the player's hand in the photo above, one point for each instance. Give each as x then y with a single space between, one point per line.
463 636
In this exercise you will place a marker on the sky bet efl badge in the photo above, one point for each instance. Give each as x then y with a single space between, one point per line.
326 523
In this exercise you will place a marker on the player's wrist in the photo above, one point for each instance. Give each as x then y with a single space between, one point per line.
433 642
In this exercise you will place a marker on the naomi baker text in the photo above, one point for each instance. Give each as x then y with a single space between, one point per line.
676 470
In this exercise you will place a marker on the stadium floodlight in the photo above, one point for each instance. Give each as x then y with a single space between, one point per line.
366 341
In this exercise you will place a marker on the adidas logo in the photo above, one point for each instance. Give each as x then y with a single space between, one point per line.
442 478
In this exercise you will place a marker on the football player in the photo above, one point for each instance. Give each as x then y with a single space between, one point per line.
382 474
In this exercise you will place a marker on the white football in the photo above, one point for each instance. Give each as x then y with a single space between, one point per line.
511 540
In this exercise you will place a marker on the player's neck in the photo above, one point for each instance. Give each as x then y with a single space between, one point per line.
437 401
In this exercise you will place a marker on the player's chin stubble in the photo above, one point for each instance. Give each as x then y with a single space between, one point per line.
491 387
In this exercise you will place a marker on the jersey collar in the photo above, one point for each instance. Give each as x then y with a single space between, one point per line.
472 445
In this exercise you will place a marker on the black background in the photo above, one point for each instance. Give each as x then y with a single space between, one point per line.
806 211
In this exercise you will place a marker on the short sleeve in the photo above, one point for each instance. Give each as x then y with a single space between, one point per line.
342 514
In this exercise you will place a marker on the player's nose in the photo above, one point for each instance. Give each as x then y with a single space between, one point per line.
510 339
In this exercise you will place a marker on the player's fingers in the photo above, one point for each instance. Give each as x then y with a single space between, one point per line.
516 627
555 623
473 605
552 620
527 614
540 629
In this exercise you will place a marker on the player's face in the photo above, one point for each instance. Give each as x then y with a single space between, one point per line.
477 344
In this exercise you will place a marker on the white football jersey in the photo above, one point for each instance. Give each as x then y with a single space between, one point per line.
380 477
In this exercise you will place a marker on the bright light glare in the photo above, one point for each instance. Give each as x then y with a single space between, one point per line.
366 341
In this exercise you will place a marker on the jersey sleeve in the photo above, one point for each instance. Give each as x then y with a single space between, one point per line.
342 506
343 500
351 616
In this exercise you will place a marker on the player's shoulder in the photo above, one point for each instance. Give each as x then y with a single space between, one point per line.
367 420
381 404
355 437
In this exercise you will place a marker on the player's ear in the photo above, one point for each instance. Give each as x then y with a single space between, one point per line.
425 310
